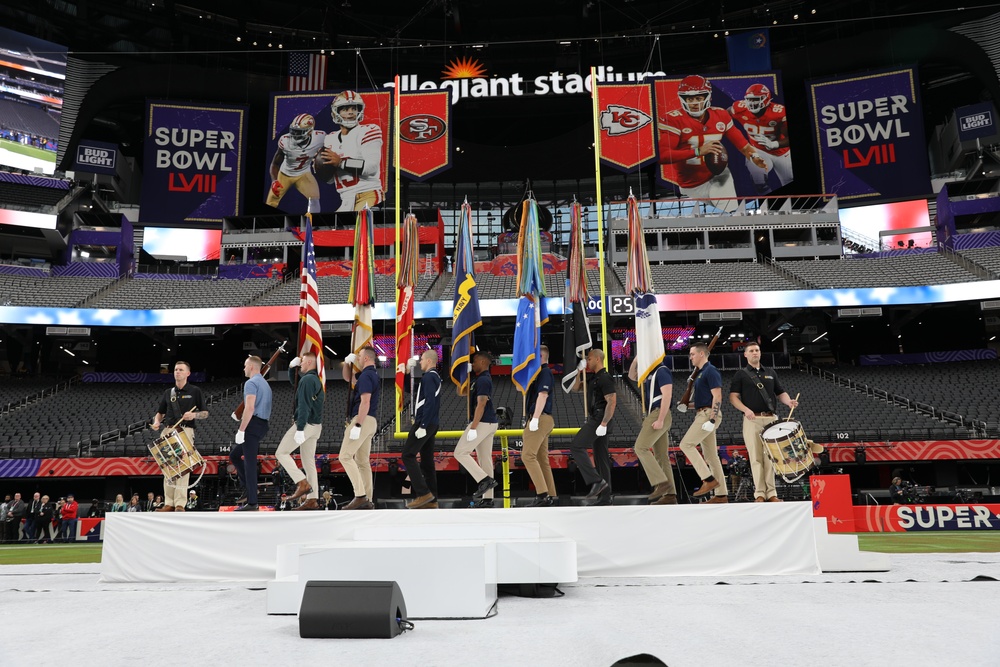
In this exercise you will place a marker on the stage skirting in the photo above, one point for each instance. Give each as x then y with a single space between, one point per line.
618 541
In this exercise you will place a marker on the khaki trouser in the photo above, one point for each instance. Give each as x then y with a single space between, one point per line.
535 456
355 456
652 447
761 465
482 466
307 452
710 465
175 493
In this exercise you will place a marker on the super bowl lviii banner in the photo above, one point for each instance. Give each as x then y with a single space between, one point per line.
328 150
869 135
193 162
723 137
626 125
424 133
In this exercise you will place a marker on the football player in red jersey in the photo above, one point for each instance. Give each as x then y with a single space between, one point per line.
692 136
766 126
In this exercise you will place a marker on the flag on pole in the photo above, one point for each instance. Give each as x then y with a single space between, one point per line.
306 71
531 315
576 339
362 295
639 283
466 304
406 281
310 330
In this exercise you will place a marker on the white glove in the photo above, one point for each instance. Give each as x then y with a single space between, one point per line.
601 430
300 437
769 144
411 364
582 366
240 437
351 358
533 424
472 435
682 407
421 433
295 363
355 432
708 427
468 368
235 418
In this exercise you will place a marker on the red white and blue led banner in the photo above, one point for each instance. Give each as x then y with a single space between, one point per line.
742 112
869 135
193 162
618 304
327 150
626 125
424 134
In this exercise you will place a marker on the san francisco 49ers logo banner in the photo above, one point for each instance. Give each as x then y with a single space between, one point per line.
424 132
626 122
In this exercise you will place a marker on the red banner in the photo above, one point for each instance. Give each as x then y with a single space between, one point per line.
425 133
831 499
626 122
404 340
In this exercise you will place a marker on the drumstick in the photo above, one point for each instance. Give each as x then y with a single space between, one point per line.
789 417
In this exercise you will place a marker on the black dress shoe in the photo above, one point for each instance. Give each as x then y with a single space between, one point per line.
246 508
542 501
483 502
597 488
484 486
241 501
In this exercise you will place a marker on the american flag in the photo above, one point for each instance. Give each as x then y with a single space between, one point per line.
310 331
306 71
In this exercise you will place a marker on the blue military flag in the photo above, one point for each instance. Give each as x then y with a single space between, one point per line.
466 304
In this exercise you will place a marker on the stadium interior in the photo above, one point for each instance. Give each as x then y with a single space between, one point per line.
897 372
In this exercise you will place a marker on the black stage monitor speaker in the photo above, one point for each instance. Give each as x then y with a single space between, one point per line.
373 609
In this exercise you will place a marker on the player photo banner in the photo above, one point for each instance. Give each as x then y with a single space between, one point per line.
869 135
722 137
425 133
328 150
193 162
627 128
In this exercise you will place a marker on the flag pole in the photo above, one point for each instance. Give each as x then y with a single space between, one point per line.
600 214
399 201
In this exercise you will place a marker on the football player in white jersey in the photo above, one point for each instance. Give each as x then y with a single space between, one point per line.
292 163
351 159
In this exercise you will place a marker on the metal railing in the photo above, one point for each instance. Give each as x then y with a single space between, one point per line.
40 395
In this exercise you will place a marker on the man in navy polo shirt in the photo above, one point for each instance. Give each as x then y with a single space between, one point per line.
423 477
708 404
356 447
478 435
535 452
652 446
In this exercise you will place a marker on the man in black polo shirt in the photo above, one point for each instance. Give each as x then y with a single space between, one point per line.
535 452
755 391
182 400
420 440
594 432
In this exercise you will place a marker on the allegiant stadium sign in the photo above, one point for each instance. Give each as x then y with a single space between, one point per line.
516 85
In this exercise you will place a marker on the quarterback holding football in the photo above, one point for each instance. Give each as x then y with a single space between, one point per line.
292 162
766 126
692 155
351 158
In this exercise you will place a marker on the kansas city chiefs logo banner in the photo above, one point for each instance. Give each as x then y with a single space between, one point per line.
424 133
626 123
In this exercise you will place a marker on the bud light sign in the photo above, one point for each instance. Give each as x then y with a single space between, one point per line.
976 121
96 157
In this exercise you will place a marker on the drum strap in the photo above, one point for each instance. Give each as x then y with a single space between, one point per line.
760 387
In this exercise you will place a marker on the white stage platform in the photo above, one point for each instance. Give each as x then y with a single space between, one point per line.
619 541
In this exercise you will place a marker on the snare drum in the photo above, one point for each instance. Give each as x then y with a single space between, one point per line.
788 448
175 454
